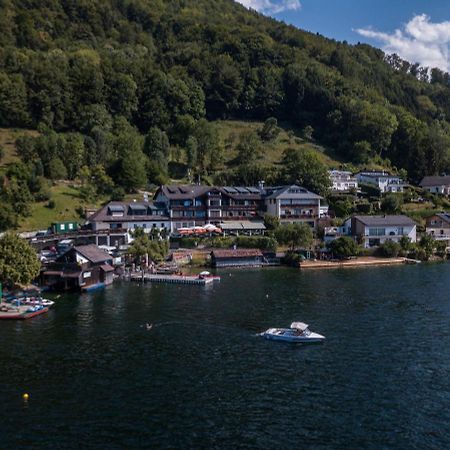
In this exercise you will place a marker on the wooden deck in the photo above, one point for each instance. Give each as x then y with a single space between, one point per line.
171 279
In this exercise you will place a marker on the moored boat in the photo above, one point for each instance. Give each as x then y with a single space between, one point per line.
298 332
21 312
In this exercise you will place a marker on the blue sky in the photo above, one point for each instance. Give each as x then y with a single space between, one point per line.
417 30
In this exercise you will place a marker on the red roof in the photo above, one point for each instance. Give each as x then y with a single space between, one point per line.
238 253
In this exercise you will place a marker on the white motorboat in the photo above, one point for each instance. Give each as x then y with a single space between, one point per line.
298 332
34 301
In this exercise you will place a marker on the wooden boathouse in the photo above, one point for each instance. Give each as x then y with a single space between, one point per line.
245 257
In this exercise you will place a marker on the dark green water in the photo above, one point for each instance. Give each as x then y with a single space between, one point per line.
202 379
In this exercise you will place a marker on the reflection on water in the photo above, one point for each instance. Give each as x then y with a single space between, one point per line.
203 378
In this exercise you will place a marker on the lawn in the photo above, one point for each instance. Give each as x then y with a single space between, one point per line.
8 138
272 152
67 202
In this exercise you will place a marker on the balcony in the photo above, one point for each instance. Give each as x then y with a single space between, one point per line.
299 216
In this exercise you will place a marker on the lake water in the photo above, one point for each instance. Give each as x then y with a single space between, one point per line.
202 378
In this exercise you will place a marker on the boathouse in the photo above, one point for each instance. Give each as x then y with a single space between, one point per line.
82 267
248 257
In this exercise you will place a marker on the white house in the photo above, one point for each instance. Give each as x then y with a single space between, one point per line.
436 185
373 231
342 181
382 180
130 216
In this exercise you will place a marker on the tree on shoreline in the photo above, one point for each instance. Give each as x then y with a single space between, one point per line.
19 263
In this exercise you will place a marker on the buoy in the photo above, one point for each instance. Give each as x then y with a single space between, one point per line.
25 397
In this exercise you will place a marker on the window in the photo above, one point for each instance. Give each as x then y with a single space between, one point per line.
63 227
377 231
70 226
400 231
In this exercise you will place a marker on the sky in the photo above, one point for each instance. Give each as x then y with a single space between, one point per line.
417 30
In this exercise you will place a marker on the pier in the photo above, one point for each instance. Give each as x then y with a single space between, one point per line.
171 279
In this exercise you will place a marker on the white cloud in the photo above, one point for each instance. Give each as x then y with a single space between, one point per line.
419 41
271 6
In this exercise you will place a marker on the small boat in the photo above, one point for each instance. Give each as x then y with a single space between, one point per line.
38 301
33 301
21 312
298 332
205 274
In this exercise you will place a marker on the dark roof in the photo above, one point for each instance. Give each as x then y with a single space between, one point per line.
185 192
92 253
435 181
127 209
238 253
175 192
283 191
375 221
444 216
107 268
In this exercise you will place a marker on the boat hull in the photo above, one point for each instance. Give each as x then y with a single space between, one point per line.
286 335
13 315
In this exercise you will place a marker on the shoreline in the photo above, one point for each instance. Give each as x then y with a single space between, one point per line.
364 261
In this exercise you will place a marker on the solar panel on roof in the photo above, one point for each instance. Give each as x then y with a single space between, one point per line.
253 190
137 207
241 190
172 191
230 190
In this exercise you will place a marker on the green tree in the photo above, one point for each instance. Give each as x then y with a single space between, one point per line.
143 245
343 247
19 263
270 130
8 217
305 168
307 132
295 235
271 222
389 249
392 203
132 173
157 147
57 170
191 151
249 148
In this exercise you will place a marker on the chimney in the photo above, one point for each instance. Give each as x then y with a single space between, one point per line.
261 185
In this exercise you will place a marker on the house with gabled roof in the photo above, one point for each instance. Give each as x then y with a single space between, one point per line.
82 267
436 184
293 204
373 231
438 226
383 180
130 215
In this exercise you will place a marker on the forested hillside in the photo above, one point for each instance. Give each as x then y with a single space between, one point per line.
123 91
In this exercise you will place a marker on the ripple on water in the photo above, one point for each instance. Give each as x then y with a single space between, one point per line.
202 378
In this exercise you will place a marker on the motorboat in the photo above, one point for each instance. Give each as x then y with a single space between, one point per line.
21 312
38 301
33 301
298 332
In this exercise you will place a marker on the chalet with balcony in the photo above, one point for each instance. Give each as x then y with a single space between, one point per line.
384 181
129 216
373 231
438 226
83 267
293 204
343 181
436 185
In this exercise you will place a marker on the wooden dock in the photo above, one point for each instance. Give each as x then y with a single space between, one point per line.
171 279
